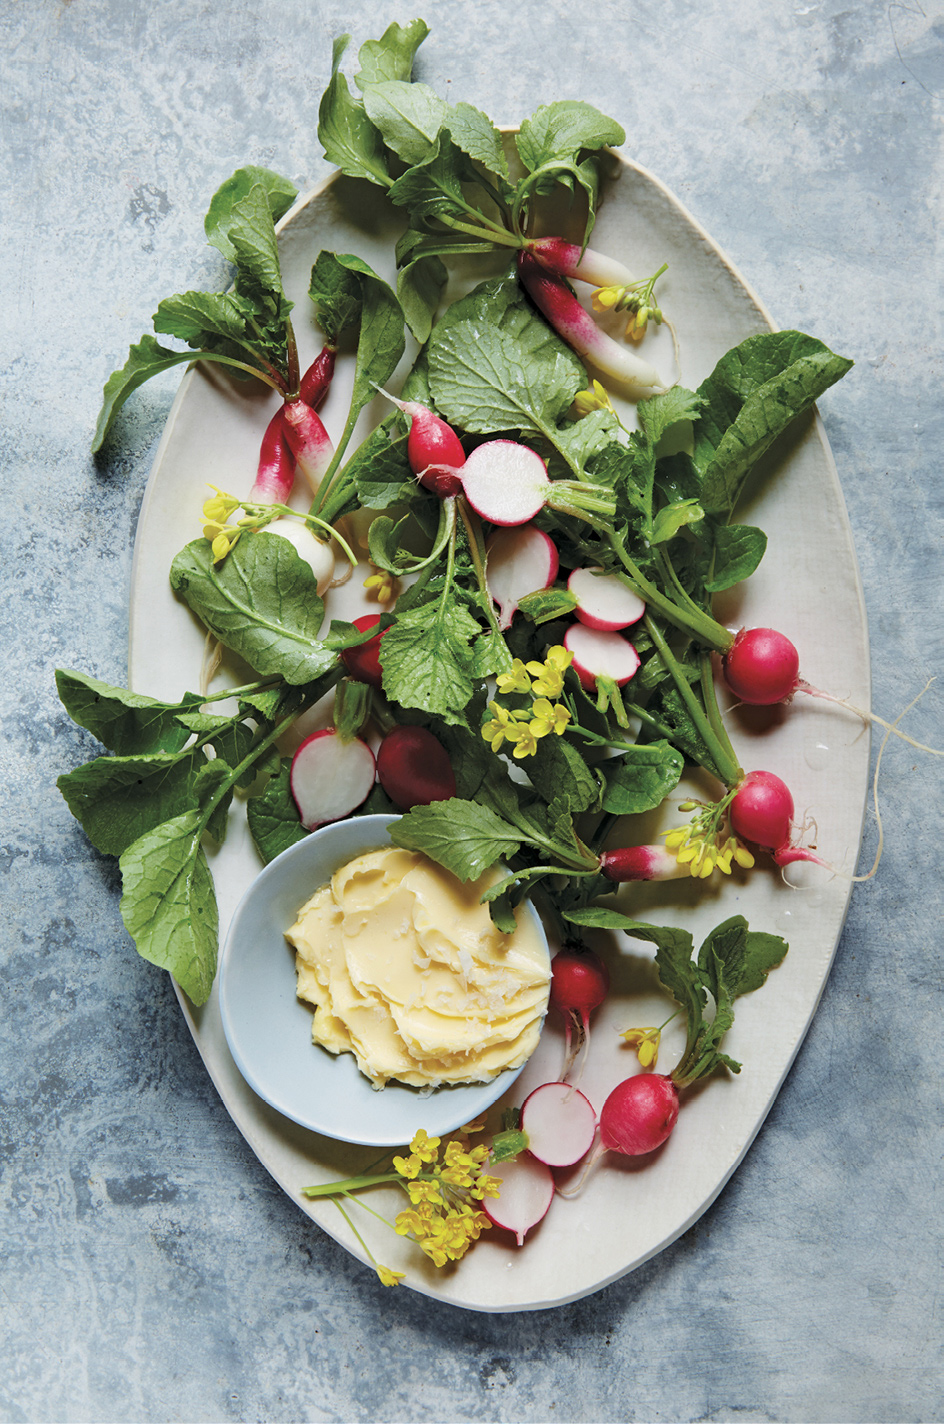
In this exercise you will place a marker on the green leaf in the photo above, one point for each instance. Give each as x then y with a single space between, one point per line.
221 218
392 56
477 137
559 132
116 799
146 358
230 738
202 318
432 188
168 903
640 779
666 409
380 468
419 288
407 116
252 237
558 769
125 722
262 602
273 817
463 836
747 956
426 659
336 293
739 549
381 342
346 133
547 604
673 517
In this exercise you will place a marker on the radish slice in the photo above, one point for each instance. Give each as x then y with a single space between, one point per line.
330 778
524 1197
559 1123
519 561
505 482
316 554
598 654
604 601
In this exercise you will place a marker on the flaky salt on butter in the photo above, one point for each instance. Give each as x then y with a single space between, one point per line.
408 972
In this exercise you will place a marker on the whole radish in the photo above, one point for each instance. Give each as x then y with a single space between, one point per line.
761 667
762 811
308 439
275 474
316 553
363 661
641 862
579 985
567 259
414 768
639 1114
313 386
434 451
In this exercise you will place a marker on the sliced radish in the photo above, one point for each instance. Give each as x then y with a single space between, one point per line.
525 1195
505 482
598 654
317 554
559 1123
330 778
604 601
519 561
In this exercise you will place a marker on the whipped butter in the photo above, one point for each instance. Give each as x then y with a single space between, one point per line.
408 972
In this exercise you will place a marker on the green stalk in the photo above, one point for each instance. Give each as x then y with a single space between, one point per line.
694 622
474 538
351 1184
715 716
720 749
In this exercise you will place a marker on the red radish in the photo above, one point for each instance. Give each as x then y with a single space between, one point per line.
642 862
555 300
308 439
566 259
363 662
762 810
604 601
761 667
329 778
598 654
559 1123
639 1115
525 1195
275 474
434 451
579 984
313 386
520 560
414 768
317 554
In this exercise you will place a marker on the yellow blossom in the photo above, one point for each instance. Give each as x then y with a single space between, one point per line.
382 585
546 717
427 1148
646 1041
222 539
607 298
387 1277
424 1191
501 728
549 675
220 506
526 743
594 398
515 680
636 326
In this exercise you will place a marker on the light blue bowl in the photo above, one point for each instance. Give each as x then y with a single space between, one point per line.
269 1030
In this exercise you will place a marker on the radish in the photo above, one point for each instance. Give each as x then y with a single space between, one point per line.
275 474
643 862
579 984
507 484
313 386
317 554
566 259
308 440
414 768
604 601
329 778
363 662
526 1192
762 811
559 1123
555 300
639 1114
599 654
519 561
434 451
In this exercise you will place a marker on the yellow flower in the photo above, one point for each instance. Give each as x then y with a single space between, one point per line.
222 539
515 680
636 326
220 507
387 1277
546 717
594 398
382 585
424 1191
426 1148
500 728
549 675
525 742
646 1041
607 298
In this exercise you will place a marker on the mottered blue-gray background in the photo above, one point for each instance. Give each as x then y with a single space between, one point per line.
151 1270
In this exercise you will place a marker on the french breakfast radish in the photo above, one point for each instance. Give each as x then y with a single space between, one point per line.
275 473
559 1123
519 561
316 553
567 259
308 440
579 985
600 654
434 451
414 768
641 862
313 386
363 661
329 777
604 601
526 1191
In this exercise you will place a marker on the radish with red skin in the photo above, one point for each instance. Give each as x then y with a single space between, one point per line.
559 1123
761 667
308 440
762 811
519 561
639 1114
526 1192
434 451
566 259
275 474
414 768
604 601
555 300
329 777
579 985
363 661
641 862
600 654
313 386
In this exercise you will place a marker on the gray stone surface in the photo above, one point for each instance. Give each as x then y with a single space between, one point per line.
151 1270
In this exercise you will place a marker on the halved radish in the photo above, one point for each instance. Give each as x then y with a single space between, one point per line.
505 482
604 601
559 1123
329 778
519 561
525 1195
316 553
599 654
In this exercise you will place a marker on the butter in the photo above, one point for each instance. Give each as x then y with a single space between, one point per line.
407 971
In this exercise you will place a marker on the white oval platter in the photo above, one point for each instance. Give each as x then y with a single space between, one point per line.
808 586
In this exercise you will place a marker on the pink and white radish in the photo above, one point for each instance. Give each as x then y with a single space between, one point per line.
313 386
316 553
507 484
604 601
519 561
555 300
329 777
600 654
526 1192
434 451
579 985
275 473
559 1124
308 440
363 661
641 862
414 768
565 259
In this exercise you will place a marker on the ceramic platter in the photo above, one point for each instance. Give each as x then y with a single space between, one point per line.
807 586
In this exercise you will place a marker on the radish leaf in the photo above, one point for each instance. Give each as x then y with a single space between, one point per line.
640 779
408 116
557 133
224 213
125 722
463 836
392 56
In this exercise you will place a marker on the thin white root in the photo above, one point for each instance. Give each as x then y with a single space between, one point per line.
212 658
891 727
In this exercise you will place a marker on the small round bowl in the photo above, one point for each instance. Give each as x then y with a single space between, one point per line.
269 1030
